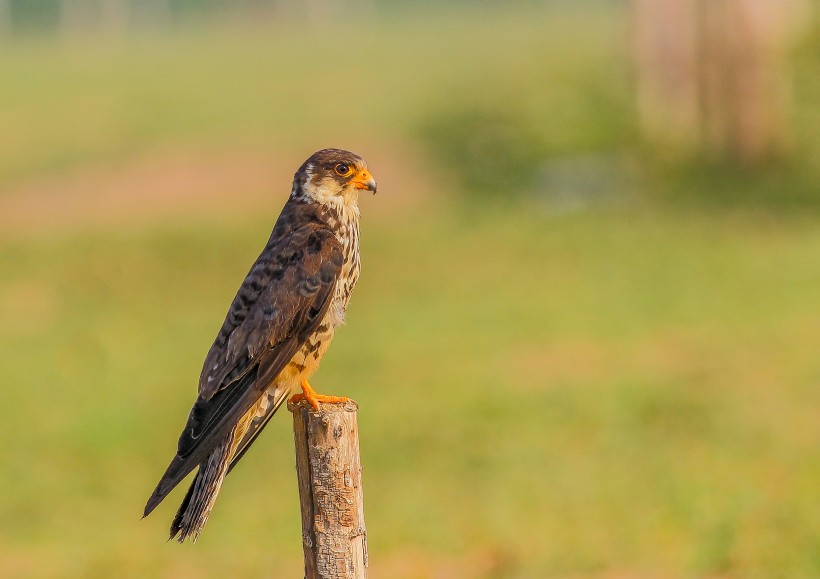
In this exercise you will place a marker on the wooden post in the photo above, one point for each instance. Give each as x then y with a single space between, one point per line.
330 490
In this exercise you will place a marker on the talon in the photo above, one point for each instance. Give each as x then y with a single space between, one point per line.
309 394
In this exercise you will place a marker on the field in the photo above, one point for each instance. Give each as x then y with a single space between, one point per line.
616 386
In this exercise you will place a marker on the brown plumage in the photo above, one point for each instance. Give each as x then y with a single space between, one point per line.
277 330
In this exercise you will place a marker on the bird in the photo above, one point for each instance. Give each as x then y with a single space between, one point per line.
275 333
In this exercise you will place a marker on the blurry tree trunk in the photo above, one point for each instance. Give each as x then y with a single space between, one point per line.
363 8
712 75
283 11
154 13
5 19
319 12
328 12
162 9
75 17
116 16
666 57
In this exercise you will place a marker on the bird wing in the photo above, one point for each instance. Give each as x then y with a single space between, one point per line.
278 307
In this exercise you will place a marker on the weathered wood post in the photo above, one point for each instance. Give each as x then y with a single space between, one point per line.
329 470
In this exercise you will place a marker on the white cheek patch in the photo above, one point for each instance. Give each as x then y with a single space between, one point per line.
327 192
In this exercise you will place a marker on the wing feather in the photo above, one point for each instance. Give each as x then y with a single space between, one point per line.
279 305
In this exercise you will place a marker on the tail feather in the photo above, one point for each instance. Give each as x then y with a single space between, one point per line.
200 499
176 525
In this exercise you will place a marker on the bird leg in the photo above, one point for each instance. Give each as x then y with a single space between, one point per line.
309 394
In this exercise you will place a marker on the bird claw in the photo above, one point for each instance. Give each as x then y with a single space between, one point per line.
309 394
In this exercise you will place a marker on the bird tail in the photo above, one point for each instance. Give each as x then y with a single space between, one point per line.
201 496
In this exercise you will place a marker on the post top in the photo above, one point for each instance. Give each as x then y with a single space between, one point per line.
324 407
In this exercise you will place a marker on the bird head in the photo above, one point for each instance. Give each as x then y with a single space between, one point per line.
333 176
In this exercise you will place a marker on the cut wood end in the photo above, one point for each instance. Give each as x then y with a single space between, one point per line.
324 407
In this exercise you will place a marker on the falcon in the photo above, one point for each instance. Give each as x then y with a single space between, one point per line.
277 329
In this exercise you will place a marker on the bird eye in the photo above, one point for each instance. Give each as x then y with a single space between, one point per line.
343 169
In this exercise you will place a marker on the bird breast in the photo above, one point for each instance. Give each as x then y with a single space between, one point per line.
348 235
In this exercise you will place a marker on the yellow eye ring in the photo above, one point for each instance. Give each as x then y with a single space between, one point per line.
343 169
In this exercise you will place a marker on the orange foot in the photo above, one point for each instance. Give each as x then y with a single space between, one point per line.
313 399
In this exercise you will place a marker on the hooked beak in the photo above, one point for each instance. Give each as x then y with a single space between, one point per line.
364 180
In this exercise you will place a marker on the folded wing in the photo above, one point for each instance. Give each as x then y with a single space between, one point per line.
278 307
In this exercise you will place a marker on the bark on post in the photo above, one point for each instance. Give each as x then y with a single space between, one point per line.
330 490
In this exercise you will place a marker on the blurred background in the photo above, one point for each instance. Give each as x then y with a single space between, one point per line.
585 339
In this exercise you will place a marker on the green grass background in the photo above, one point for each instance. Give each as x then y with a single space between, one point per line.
625 390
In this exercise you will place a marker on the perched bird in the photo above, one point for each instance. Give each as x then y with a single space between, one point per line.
277 329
